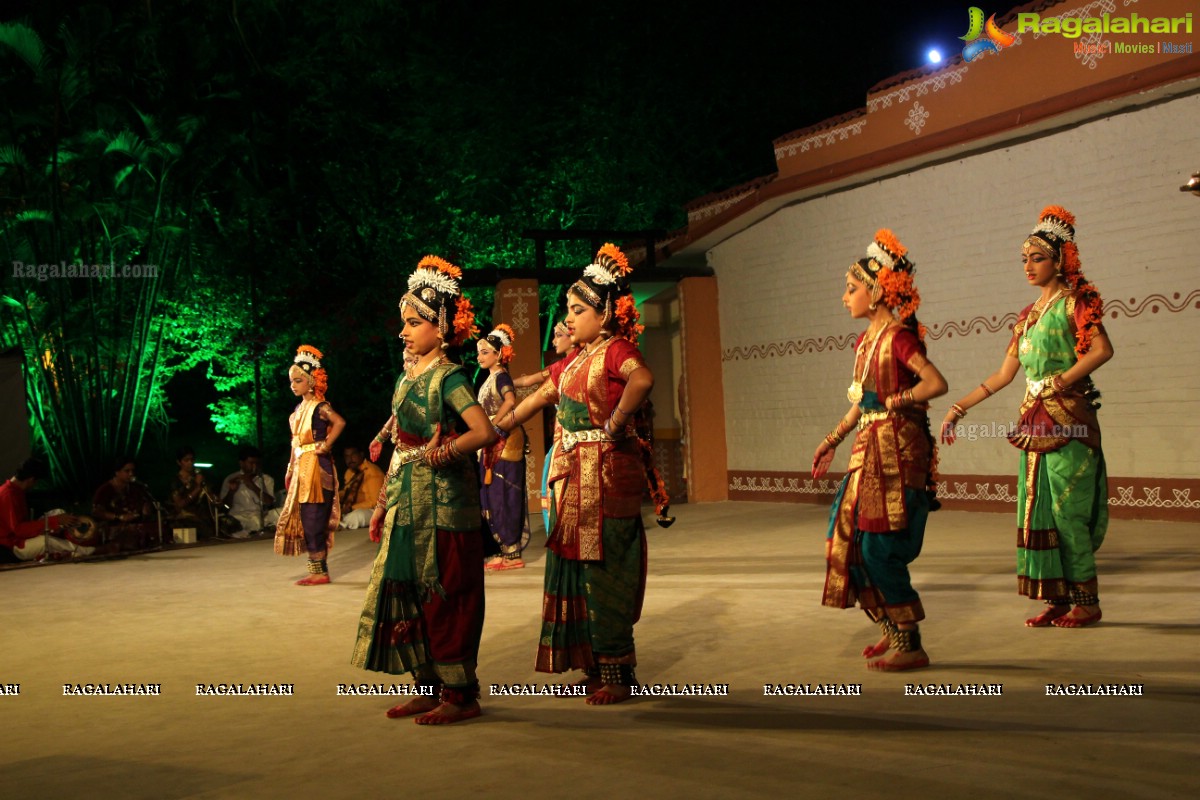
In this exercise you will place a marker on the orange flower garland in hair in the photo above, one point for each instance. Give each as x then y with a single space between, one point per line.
626 315
619 260
888 241
899 289
441 265
319 375
464 320
507 352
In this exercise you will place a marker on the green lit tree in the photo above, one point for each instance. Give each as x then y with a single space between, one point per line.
96 225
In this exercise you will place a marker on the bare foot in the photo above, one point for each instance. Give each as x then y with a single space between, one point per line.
900 661
609 694
879 648
1047 617
449 713
418 705
1080 617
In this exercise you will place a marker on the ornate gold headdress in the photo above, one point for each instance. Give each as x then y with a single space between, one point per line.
605 287
432 288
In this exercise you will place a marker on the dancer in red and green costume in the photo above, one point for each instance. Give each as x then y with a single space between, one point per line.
596 564
877 524
1062 493
424 607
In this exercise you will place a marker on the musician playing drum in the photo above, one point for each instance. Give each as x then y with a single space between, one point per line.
33 540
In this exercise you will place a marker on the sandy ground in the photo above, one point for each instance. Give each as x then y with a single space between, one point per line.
733 598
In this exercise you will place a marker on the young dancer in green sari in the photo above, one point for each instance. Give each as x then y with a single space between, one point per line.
1062 496
424 608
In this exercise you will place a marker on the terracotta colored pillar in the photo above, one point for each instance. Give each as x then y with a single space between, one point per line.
517 305
702 393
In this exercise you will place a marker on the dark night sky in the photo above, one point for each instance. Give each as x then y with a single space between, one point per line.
774 66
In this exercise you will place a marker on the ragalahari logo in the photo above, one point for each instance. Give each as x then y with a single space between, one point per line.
994 40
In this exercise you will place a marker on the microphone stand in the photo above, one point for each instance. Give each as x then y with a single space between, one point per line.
157 510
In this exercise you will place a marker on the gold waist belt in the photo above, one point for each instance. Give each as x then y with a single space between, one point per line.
410 454
868 418
306 448
572 438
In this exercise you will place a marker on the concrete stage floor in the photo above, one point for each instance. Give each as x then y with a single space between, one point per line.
733 598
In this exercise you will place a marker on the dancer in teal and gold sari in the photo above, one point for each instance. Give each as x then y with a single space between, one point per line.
877 524
596 559
424 608
1062 493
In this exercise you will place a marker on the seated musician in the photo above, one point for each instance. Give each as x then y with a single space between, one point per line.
193 503
124 509
250 494
360 489
33 540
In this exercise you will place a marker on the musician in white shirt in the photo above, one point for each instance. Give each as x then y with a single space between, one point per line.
250 494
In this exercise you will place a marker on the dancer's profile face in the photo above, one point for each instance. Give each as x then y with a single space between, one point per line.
857 298
583 321
300 381
562 342
487 355
1039 265
419 334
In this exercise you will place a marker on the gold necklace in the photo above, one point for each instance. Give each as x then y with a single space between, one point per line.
409 375
854 392
583 356
1027 331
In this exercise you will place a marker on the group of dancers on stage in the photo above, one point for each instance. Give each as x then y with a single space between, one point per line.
425 602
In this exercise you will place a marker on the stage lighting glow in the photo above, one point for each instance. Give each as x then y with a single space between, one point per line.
935 57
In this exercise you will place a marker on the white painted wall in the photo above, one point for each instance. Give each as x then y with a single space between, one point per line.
963 222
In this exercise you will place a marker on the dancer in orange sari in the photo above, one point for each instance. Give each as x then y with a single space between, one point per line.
311 512
877 523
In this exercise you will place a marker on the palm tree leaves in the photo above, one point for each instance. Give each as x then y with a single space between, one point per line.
24 42
87 181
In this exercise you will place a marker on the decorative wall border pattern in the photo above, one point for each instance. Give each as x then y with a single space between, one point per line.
934 83
837 134
1175 499
1113 308
1135 309
797 347
716 208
